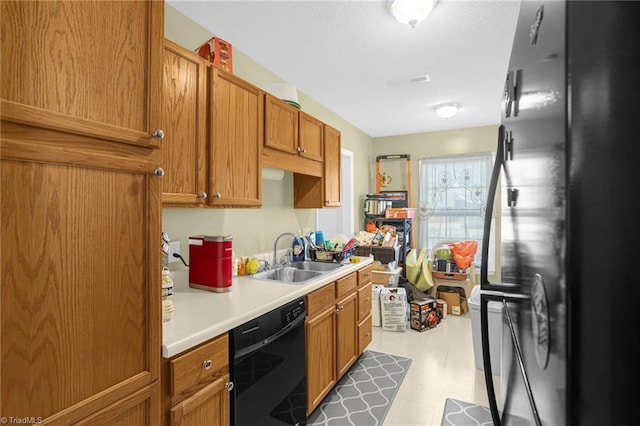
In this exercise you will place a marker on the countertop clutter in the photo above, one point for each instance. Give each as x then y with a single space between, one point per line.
201 315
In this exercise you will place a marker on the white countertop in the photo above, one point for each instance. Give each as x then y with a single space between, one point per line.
200 315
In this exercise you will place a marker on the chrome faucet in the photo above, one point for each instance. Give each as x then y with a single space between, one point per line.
275 246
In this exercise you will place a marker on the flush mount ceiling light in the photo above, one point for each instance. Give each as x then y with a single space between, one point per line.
410 12
447 110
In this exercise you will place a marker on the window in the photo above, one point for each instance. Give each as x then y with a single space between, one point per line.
453 198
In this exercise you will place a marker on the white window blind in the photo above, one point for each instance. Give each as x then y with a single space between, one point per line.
453 198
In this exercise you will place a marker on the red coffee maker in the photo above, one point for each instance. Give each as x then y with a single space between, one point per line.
210 261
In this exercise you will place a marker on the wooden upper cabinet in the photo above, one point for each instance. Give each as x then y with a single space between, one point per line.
326 191
293 139
332 167
183 152
236 127
311 137
89 68
281 125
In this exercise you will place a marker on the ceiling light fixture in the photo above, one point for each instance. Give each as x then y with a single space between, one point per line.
447 110
410 12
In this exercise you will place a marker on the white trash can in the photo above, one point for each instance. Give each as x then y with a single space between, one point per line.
495 331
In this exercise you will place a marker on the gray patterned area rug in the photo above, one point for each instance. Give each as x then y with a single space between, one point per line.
460 413
364 394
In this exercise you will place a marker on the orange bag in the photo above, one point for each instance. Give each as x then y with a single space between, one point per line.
464 253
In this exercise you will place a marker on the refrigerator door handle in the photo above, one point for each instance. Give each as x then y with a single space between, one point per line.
485 285
519 357
491 196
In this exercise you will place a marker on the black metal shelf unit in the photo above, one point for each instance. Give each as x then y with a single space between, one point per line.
403 232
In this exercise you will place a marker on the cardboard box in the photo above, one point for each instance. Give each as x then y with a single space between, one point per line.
386 278
456 304
393 308
376 317
400 213
424 314
218 52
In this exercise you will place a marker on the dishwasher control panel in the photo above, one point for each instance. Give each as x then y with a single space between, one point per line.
293 310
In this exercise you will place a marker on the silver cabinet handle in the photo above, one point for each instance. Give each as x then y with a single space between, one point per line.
158 134
366 299
298 149
229 386
206 364
202 195
304 149
159 172
217 195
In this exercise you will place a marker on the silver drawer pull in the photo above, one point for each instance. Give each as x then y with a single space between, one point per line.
207 364
229 386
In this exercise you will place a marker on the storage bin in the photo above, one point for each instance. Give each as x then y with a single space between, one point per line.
382 254
386 278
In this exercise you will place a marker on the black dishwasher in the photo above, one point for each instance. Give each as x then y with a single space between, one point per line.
267 360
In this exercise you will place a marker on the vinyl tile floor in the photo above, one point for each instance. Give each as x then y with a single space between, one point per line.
443 366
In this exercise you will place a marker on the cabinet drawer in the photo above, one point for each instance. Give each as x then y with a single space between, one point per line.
320 299
346 285
365 334
364 275
364 301
199 366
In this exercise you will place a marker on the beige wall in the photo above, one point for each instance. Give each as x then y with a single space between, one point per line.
460 141
254 230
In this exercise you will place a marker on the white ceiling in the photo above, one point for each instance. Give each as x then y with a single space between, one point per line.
354 58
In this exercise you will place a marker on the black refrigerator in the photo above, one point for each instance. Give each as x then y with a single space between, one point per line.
568 173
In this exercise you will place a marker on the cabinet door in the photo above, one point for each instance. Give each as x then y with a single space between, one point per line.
89 68
139 408
237 117
80 270
281 125
365 334
209 406
364 301
183 152
311 137
346 333
321 355
332 167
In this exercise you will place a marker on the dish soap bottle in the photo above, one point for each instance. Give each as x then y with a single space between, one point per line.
297 249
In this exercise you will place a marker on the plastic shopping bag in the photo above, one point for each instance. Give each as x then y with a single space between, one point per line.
413 264
464 253
425 279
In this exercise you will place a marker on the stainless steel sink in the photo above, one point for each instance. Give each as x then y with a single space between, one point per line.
287 274
297 272
308 265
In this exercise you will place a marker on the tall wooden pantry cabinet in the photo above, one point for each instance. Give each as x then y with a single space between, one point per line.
80 204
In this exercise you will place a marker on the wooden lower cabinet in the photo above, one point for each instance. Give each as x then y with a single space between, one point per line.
346 332
365 333
336 334
209 406
321 356
195 385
